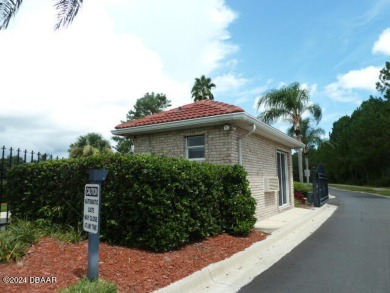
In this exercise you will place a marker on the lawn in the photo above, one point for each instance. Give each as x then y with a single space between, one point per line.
3 207
368 189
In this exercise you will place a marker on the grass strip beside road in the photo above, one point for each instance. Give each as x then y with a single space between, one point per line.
3 207
367 189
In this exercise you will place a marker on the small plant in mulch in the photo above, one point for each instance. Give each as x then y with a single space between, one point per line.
301 191
21 234
298 196
86 286
15 240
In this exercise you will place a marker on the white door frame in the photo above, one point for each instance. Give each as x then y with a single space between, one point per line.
284 180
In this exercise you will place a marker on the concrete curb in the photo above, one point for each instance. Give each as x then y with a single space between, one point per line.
231 274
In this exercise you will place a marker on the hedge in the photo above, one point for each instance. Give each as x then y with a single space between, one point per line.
150 202
303 188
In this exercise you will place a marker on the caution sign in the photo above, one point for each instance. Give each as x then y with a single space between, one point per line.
91 208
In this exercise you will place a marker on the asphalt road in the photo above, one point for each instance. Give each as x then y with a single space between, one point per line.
349 253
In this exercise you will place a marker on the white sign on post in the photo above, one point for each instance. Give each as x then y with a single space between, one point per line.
91 208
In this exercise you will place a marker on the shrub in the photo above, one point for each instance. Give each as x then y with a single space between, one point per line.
11 248
299 198
383 181
63 233
300 192
304 188
16 239
151 202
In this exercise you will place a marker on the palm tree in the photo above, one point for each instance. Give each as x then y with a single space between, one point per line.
202 89
88 145
289 103
311 137
67 10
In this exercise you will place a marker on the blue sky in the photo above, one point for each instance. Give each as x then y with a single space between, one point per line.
326 45
59 85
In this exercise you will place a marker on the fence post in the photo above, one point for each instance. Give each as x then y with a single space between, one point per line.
7 163
316 197
10 157
2 175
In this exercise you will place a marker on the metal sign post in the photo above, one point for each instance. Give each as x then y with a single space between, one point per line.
91 219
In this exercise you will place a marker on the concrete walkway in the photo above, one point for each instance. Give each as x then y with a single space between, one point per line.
280 220
288 229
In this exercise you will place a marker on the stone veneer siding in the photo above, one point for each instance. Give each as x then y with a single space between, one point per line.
221 147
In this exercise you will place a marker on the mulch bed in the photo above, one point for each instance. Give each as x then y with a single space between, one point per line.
132 270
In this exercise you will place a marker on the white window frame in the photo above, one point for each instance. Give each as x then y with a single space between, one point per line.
196 147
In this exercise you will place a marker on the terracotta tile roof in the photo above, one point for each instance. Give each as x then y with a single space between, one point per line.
204 108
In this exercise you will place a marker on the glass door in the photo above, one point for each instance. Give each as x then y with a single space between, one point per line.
283 179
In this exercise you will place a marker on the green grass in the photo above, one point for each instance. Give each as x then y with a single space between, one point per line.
368 189
3 207
21 234
85 286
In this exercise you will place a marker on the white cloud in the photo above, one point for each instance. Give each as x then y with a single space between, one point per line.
340 94
345 89
330 117
311 88
382 45
190 36
360 79
87 77
229 82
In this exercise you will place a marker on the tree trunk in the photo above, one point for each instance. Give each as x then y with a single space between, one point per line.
307 168
300 165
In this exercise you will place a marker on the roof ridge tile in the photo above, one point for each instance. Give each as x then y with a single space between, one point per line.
199 109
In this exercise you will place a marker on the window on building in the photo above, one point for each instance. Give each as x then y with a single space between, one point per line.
195 148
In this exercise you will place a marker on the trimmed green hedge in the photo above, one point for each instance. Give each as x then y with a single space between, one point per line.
302 187
152 202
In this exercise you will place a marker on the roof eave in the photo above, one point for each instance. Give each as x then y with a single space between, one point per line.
273 133
175 125
262 128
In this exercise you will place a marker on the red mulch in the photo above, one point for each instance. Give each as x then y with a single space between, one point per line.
132 270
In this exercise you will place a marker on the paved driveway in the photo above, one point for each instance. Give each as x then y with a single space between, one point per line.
348 253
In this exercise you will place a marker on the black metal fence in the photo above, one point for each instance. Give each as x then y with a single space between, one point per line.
320 186
9 158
